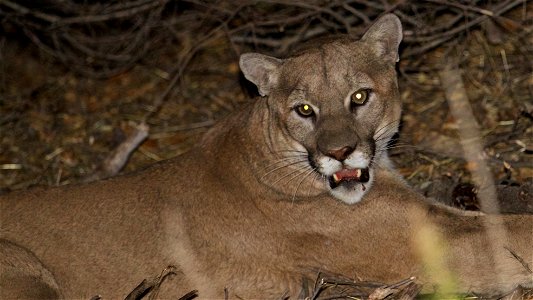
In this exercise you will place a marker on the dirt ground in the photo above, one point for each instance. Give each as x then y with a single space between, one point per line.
56 127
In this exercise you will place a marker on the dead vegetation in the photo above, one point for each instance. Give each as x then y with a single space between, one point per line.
78 77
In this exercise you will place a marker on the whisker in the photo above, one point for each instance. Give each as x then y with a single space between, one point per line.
394 146
382 128
280 160
299 171
393 122
386 141
385 148
283 166
384 137
383 140
300 183
401 146
317 175
387 134
286 158
293 151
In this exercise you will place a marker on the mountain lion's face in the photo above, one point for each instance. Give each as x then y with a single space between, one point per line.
336 105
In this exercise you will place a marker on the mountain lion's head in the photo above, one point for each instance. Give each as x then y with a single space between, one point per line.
335 105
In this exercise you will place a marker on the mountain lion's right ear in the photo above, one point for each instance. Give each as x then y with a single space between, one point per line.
385 36
262 70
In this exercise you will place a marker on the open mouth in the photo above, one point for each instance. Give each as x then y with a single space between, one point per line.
349 176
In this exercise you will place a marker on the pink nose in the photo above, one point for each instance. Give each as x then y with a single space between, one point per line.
340 154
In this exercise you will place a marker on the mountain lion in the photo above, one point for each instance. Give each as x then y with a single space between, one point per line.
295 183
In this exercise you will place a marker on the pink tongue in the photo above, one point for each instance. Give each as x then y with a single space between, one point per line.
347 174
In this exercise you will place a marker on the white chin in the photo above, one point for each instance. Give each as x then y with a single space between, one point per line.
353 193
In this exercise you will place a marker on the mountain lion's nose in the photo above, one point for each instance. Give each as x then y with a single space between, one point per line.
340 154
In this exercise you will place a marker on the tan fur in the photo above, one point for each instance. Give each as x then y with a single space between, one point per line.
225 219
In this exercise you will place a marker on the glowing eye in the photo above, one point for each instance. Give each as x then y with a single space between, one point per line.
305 110
360 96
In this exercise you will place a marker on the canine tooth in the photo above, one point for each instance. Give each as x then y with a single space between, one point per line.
335 177
358 173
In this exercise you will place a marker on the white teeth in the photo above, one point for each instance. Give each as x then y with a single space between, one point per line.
358 173
336 178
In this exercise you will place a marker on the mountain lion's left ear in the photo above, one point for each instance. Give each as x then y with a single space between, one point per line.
262 70
385 36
